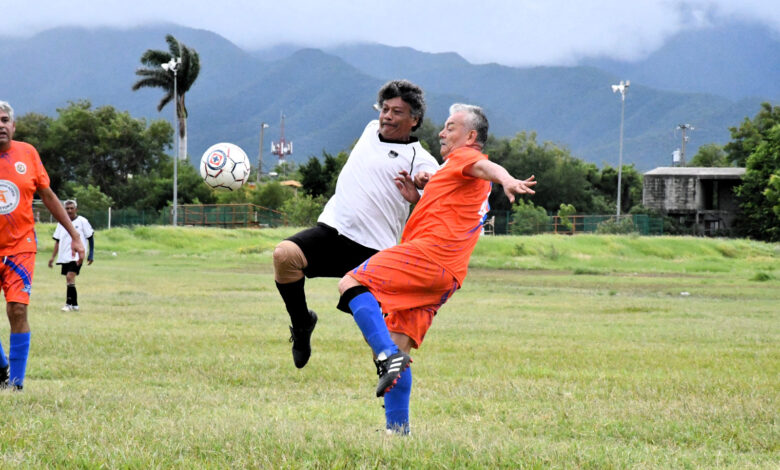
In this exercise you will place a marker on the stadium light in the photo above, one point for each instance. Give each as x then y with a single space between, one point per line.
263 127
622 87
173 66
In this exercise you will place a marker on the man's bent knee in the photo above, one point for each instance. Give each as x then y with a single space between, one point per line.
289 262
349 288
347 282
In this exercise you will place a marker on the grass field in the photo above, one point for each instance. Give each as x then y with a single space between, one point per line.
558 352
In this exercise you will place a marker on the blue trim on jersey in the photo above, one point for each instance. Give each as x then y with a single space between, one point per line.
364 266
486 206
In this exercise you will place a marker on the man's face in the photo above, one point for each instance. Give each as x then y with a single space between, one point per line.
455 134
396 120
71 210
7 129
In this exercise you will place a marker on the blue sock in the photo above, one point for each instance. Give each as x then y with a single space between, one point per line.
18 350
3 358
368 316
397 403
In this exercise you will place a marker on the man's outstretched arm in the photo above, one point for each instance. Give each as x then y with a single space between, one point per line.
487 170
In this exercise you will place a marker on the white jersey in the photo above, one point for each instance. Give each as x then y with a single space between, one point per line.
82 226
367 207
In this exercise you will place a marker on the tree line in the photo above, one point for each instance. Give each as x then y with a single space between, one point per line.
104 157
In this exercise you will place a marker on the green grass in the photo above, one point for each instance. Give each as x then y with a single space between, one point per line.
559 352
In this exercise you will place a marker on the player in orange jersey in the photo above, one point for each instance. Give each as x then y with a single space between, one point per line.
21 175
412 280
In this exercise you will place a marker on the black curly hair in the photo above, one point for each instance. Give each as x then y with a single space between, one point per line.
407 91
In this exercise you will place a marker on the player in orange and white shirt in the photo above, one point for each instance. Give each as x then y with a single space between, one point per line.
411 281
21 175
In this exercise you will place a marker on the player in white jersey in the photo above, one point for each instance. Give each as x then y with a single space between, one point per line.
367 212
62 253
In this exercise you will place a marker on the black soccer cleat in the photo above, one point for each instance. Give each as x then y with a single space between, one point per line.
4 384
389 370
300 338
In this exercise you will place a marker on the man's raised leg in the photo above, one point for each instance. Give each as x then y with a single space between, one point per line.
289 263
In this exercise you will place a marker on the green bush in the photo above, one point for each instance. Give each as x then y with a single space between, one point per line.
303 210
89 197
528 219
564 212
615 227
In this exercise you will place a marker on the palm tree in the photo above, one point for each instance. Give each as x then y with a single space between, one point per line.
155 77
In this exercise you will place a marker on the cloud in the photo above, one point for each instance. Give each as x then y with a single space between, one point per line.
512 32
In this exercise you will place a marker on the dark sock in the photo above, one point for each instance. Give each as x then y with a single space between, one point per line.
71 296
295 301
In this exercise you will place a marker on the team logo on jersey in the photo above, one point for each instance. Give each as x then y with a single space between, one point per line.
21 168
392 154
217 160
9 197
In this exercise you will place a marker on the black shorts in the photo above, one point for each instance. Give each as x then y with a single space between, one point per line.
329 254
72 267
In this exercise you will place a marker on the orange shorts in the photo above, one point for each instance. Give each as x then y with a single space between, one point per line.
409 287
16 274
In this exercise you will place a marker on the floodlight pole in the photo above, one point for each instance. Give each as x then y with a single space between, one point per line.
173 66
263 127
622 88
684 127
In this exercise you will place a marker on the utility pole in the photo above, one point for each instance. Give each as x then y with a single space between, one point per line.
173 66
684 128
623 89
263 127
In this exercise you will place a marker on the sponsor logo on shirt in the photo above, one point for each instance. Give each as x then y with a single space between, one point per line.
9 197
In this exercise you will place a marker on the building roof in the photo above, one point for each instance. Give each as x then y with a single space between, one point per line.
701 172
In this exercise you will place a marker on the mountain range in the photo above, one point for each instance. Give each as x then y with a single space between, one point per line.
326 95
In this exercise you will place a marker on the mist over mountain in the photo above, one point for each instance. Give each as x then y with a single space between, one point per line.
735 60
326 95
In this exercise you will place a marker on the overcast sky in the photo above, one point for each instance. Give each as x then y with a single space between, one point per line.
510 32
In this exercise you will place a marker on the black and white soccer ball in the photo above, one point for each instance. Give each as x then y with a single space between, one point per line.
224 165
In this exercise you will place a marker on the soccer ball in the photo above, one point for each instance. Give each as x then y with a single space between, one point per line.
225 166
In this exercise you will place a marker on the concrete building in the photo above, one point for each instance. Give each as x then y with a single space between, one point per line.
703 198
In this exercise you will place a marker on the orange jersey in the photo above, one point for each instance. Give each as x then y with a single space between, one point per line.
21 174
447 221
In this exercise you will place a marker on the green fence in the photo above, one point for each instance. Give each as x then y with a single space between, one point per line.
250 215
227 215
216 215
644 224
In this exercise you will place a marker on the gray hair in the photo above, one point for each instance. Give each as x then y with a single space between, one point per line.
71 202
475 119
407 91
7 108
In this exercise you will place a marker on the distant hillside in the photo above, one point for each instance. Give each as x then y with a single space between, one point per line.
572 106
326 96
